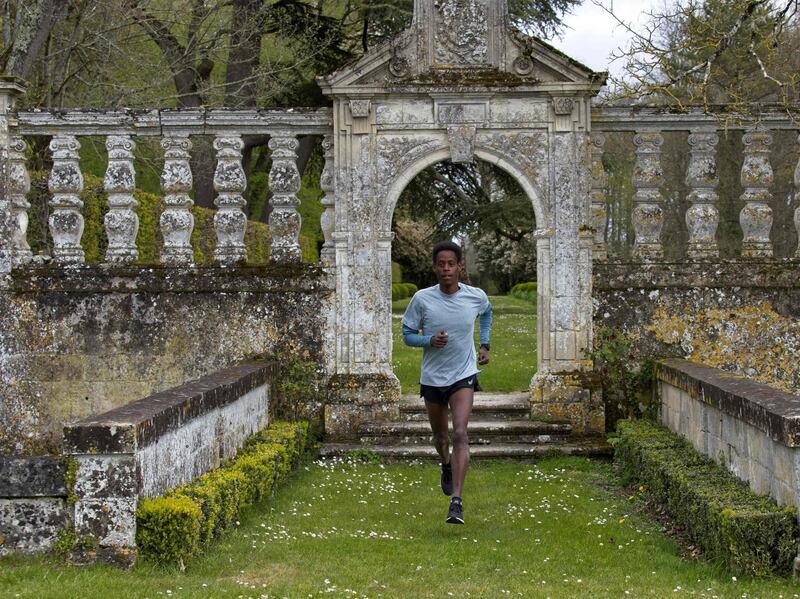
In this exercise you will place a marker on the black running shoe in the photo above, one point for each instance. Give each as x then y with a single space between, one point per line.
447 479
455 514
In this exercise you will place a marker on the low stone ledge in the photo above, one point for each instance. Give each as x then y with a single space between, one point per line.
156 443
140 423
109 278
769 274
32 477
770 410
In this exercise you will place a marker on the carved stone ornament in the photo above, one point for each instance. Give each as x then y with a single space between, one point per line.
121 221
797 201
230 221
757 176
284 181
18 186
328 219
563 106
66 184
702 218
177 221
599 209
648 214
360 108
523 65
462 143
461 35
398 65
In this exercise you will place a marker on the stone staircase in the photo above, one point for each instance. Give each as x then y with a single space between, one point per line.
500 428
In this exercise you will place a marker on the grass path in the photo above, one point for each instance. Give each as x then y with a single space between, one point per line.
554 529
513 342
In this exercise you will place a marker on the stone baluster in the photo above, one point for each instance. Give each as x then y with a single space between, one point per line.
10 89
648 215
121 221
599 213
284 182
326 183
757 176
18 186
702 218
230 182
797 201
66 184
177 221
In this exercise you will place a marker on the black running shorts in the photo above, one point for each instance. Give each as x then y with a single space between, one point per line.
441 395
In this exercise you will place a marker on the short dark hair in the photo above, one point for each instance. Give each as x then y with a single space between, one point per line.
444 246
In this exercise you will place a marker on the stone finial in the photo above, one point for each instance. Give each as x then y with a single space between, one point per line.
702 218
18 185
599 207
327 184
797 201
757 176
66 184
121 221
176 221
230 221
284 182
648 215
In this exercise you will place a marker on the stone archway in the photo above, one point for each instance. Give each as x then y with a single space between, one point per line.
521 106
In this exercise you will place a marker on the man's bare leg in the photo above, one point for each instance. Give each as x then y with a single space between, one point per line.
461 408
437 416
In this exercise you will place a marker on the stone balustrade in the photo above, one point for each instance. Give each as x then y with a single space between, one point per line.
648 127
121 129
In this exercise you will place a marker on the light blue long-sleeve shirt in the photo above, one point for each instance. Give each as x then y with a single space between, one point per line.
430 311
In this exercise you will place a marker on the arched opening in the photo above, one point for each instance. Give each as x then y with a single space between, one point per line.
486 209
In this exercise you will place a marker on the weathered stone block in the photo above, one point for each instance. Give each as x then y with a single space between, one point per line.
110 521
32 477
105 476
31 525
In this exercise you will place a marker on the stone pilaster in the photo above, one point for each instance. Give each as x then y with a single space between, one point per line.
66 184
797 201
177 221
702 218
230 221
599 208
756 216
18 184
327 184
284 182
10 90
121 221
648 214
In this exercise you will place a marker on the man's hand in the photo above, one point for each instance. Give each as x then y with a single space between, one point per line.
483 356
439 340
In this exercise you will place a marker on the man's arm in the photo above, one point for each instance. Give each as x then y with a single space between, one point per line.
414 339
486 330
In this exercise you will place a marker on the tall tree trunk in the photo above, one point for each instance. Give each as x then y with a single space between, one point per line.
33 24
245 53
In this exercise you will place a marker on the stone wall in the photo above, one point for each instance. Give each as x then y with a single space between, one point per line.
739 316
748 427
81 341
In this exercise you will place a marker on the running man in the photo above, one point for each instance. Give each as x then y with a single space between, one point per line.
441 320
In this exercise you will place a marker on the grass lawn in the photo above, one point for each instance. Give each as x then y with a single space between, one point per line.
554 529
513 342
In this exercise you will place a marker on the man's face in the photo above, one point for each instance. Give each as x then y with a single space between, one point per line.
447 267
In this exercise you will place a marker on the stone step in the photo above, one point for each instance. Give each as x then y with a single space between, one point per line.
585 446
486 406
481 432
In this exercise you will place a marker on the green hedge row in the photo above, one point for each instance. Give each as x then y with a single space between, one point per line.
173 528
747 532
403 291
525 291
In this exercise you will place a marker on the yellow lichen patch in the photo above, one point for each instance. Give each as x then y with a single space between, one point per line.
754 340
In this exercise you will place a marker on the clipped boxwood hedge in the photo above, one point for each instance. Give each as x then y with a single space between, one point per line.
747 532
173 528
525 291
403 291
